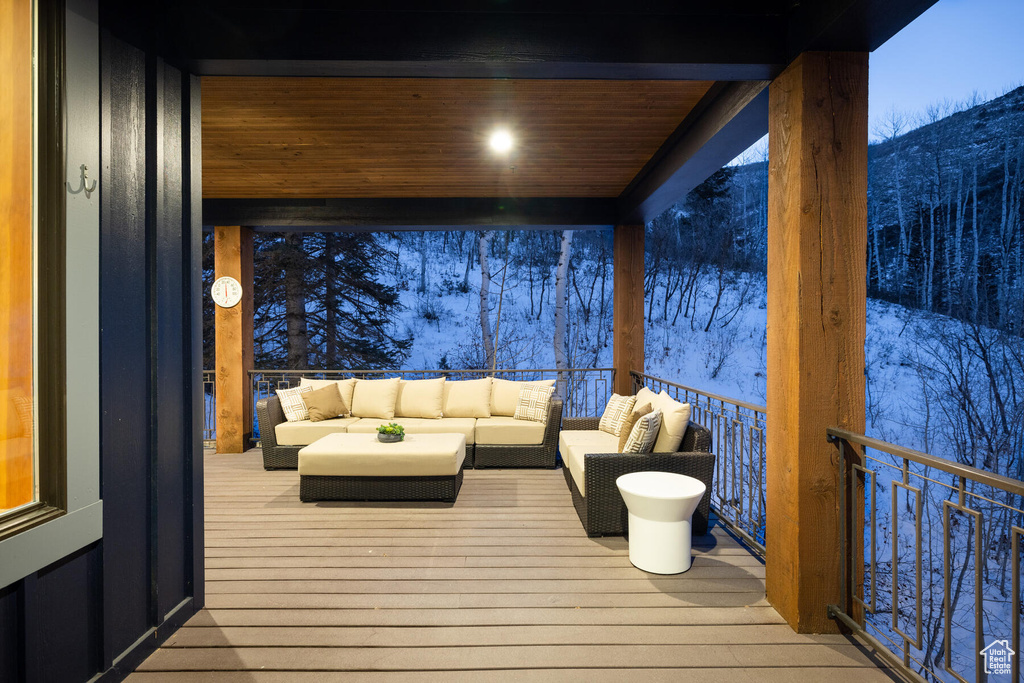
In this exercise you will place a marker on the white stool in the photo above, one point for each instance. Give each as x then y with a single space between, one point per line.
660 506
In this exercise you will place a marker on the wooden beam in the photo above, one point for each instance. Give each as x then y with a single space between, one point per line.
628 317
232 246
470 213
817 241
729 119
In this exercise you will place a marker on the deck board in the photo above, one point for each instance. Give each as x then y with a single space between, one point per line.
504 584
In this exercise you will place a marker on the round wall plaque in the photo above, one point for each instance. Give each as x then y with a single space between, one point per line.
226 292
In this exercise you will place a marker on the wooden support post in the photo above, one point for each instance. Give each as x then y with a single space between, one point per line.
628 318
817 242
232 248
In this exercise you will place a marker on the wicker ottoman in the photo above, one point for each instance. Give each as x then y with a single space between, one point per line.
358 467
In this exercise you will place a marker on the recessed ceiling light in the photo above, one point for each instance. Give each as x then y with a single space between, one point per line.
501 141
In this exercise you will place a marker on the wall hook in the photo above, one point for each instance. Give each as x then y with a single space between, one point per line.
84 184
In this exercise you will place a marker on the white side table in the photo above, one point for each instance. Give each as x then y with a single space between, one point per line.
660 506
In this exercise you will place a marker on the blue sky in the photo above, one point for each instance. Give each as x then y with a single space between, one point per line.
956 48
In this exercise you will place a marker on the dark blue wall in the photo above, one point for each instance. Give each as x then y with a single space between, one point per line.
103 604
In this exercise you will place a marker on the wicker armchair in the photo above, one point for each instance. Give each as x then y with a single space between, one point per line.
602 511
543 455
269 414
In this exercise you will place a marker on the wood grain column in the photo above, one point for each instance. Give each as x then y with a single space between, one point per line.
628 319
817 242
232 246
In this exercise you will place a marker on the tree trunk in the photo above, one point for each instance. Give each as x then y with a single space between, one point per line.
485 305
295 301
423 263
330 299
561 306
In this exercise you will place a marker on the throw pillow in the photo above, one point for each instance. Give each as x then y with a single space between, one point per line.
505 394
323 404
675 418
292 404
345 386
375 398
627 429
644 433
645 395
533 403
467 398
420 398
616 413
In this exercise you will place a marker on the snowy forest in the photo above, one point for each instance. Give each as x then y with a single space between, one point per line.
945 347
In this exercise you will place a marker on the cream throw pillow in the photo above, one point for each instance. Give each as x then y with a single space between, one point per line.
467 398
675 419
375 398
292 404
533 403
345 386
505 394
645 395
616 413
644 433
420 398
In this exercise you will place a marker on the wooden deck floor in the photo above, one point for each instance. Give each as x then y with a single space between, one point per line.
504 585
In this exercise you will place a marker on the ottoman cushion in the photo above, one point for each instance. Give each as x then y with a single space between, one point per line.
361 455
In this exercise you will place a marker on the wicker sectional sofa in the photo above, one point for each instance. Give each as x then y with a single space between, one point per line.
591 470
491 441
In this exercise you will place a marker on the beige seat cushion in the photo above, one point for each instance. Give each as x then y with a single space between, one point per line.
420 398
304 432
507 430
345 386
361 455
418 425
505 394
675 419
467 398
574 444
375 398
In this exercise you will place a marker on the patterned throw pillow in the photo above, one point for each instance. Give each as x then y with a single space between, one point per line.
292 404
616 413
627 428
533 403
644 434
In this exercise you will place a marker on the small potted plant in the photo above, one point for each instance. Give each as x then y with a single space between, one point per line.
390 433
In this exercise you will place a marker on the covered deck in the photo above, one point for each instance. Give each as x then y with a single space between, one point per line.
502 585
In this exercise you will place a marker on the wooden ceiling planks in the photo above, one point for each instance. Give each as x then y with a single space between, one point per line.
401 137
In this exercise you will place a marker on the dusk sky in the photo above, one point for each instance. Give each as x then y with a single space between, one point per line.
954 49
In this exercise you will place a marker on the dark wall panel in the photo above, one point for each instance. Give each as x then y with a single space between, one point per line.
167 311
11 634
124 348
62 614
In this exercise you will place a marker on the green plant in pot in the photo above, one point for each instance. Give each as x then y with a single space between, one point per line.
390 433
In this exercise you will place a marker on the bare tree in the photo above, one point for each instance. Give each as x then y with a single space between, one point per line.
483 245
561 303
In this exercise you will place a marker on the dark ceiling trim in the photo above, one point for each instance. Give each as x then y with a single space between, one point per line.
730 118
363 215
485 69
849 25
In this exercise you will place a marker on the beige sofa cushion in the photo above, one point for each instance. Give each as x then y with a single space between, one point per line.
675 419
574 444
505 394
304 432
645 395
467 398
345 386
361 455
375 398
507 430
420 398
418 425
